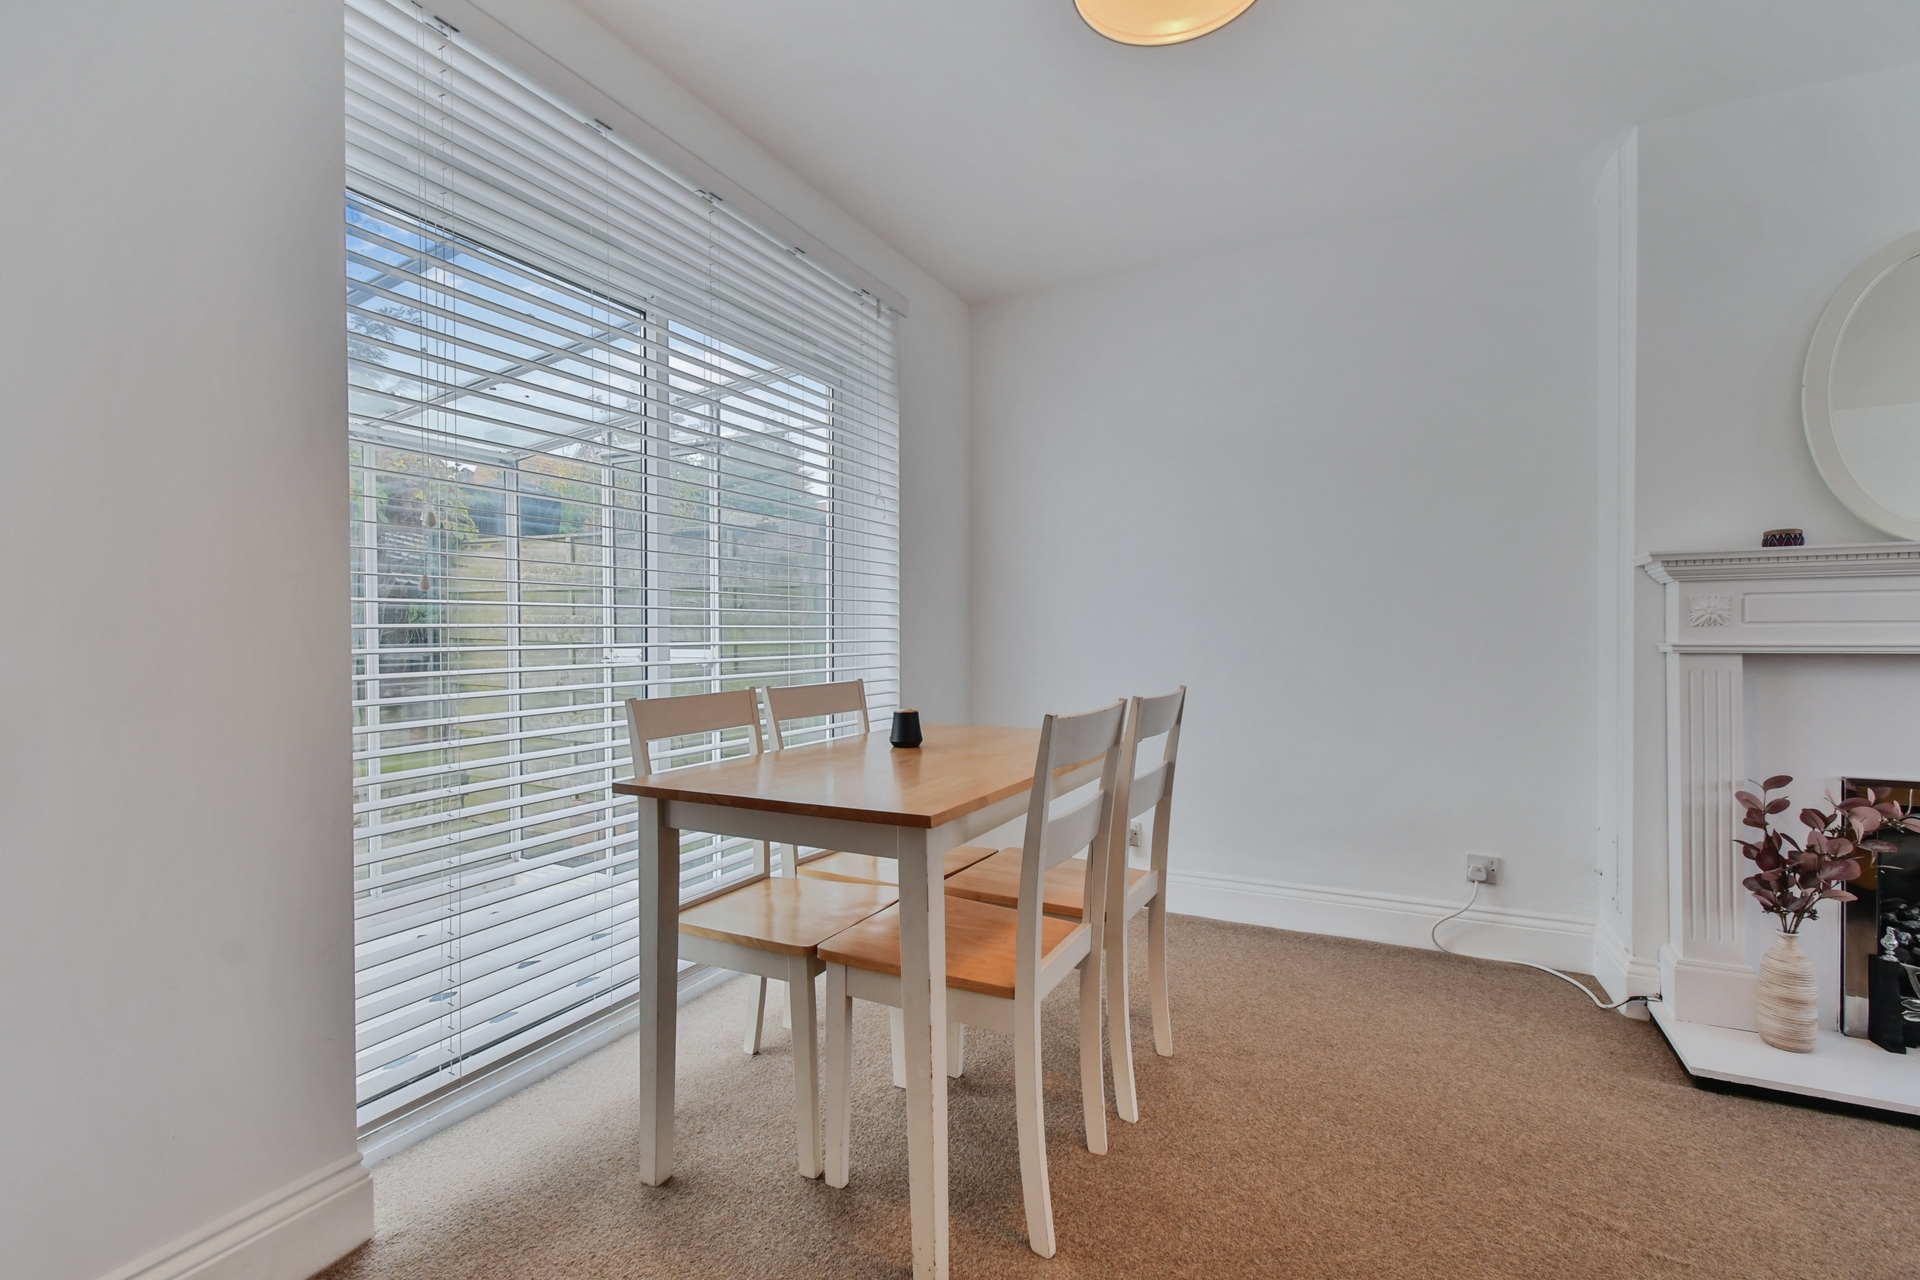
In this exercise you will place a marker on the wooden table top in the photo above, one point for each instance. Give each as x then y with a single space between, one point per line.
957 770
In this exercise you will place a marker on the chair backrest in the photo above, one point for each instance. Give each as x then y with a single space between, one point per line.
805 701
1147 718
1052 838
651 720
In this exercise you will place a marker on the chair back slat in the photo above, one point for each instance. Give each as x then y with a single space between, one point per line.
650 720
1161 714
806 701
1082 737
1146 790
1070 832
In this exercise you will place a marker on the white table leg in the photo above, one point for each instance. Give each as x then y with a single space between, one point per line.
923 990
659 988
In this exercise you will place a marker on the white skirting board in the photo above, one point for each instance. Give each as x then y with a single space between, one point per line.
288 1235
1623 974
1561 942
1840 1068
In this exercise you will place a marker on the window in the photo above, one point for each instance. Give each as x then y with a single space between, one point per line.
606 441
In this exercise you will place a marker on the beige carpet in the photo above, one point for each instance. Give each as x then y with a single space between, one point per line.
1334 1109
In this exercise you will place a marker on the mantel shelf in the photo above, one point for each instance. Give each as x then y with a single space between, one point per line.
1849 560
1863 598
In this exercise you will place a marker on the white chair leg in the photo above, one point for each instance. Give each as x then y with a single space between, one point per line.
837 1124
779 997
1157 973
806 1059
956 1049
1030 1113
1120 1022
898 1022
1093 1076
758 1010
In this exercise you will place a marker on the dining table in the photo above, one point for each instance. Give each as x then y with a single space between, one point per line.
855 794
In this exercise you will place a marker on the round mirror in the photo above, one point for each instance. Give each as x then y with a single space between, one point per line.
1861 393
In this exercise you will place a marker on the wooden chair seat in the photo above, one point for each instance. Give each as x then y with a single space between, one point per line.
997 880
784 915
980 945
864 868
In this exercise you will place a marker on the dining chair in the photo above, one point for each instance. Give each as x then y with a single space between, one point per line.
1130 889
787 703
1002 962
1128 895
812 702
769 927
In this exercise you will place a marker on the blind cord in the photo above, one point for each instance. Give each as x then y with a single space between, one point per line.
1434 934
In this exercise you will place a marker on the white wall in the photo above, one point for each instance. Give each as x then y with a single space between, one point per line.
1749 217
935 567
175 923
1342 487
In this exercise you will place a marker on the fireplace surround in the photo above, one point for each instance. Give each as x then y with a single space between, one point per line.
1723 607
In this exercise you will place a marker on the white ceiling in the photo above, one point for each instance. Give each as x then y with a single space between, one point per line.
1003 146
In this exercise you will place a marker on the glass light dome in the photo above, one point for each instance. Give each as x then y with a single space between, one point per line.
1159 21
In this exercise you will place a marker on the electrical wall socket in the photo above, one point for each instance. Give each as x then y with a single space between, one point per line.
1482 869
1135 835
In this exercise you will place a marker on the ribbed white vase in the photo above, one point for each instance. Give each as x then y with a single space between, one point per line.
1789 1008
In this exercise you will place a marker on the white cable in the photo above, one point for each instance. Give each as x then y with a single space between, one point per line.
1434 934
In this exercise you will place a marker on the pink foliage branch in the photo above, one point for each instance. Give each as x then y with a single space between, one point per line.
1794 876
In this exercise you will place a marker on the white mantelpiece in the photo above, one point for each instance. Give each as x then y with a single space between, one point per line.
1721 606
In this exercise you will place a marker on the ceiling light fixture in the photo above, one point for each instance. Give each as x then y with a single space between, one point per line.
1159 21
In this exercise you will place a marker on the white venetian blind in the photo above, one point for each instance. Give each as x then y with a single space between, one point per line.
606 441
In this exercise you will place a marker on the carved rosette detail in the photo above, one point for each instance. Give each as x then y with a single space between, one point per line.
1709 611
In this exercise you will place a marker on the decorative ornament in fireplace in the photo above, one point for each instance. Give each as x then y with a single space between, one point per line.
1709 611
